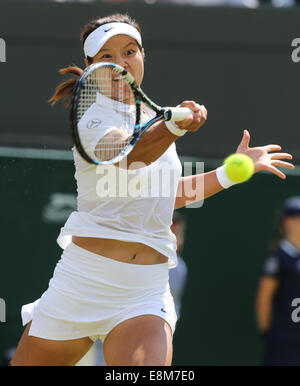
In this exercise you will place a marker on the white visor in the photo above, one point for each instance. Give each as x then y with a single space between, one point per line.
96 40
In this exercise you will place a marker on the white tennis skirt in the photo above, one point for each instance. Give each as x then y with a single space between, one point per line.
90 294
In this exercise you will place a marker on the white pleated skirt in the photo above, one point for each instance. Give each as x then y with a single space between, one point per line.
90 294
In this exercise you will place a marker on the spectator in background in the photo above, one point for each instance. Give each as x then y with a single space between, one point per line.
178 275
6 356
279 285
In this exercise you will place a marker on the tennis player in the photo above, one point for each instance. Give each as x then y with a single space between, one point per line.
112 279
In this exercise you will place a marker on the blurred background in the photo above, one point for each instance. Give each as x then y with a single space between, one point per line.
239 59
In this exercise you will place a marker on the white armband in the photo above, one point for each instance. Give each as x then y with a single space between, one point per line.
174 129
222 177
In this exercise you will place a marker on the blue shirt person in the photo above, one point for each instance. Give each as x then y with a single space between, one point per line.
178 275
279 286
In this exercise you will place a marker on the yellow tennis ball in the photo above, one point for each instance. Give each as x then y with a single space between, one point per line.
239 167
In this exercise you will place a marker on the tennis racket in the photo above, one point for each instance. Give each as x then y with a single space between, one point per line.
107 103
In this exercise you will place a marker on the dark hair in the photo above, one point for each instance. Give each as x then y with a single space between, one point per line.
65 89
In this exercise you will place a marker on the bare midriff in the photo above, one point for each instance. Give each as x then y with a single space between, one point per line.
126 252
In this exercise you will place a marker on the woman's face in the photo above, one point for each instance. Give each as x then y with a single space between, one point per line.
124 51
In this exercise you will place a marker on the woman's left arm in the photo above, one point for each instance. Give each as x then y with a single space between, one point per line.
188 190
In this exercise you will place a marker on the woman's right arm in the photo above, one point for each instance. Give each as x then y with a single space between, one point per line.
152 144
157 139
264 299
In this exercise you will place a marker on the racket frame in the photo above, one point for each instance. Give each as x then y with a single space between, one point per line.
139 95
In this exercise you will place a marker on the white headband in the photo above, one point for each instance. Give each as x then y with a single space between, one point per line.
96 40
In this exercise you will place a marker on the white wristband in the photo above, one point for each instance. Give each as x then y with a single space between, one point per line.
174 129
223 178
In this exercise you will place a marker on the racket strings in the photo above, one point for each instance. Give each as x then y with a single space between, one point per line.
107 87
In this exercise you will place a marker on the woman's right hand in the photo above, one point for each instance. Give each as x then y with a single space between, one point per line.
195 121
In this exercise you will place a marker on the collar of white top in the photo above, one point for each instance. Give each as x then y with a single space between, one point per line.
289 248
113 104
96 40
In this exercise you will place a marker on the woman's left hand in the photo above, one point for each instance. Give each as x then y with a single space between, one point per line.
263 159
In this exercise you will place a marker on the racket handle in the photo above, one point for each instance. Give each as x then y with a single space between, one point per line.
177 113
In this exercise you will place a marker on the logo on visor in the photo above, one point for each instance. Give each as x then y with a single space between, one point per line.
106 30
93 123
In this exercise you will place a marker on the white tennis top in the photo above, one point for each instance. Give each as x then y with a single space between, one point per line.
127 205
